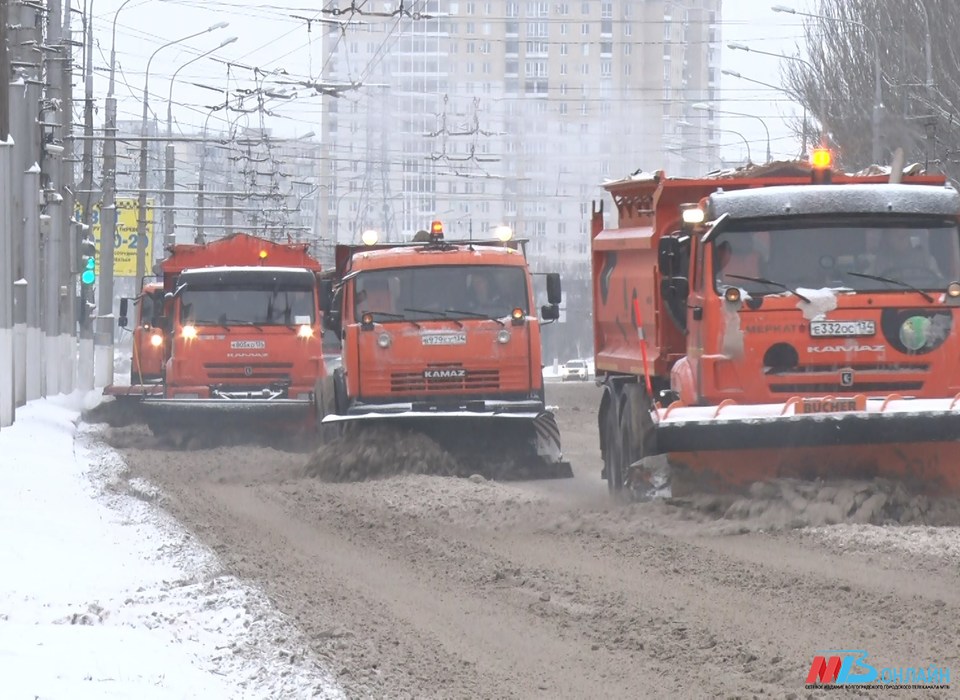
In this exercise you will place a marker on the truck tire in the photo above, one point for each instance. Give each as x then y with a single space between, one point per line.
636 432
613 452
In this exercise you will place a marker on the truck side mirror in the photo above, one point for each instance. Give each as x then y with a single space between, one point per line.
554 293
668 255
674 292
326 295
331 321
124 307
550 312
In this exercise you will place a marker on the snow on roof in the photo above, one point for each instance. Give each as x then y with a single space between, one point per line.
795 200
245 268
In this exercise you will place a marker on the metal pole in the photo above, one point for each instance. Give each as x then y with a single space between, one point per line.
32 272
86 376
7 399
52 221
142 201
69 245
108 209
228 209
169 234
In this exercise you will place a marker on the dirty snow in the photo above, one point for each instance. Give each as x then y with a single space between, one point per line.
104 596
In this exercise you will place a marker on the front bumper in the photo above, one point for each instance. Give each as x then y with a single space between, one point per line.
528 410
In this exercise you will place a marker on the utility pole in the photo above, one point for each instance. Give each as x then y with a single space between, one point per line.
70 312
25 41
7 400
51 221
86 377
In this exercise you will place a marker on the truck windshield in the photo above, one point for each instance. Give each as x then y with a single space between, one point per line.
920 253
441 291
254 305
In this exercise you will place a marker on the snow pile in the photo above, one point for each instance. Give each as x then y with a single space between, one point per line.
103 596
791 503
377 451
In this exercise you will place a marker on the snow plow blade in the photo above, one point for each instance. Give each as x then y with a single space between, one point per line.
727 448
500 444
184 418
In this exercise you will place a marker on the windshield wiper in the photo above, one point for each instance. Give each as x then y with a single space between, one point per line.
764 280
213 323
238 322
397 316
879 278
475 314
439 314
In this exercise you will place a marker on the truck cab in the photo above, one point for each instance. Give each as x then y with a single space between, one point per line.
150 344
244 332
439 326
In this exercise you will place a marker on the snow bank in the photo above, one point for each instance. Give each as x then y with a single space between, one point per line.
103 596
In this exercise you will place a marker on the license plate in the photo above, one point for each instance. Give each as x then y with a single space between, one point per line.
832 405
444 339
248 344
842 329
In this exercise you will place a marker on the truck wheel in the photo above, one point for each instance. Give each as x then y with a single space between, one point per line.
613 454
636 434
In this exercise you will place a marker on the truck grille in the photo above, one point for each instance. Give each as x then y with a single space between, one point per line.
262 371
416 382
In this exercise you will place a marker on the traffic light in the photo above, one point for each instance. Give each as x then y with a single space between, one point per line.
88 262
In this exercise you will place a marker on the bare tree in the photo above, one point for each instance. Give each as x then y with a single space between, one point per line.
919 115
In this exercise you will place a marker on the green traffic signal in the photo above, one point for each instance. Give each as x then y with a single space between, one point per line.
89 275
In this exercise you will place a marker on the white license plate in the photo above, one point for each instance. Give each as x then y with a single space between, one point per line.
248 344
444 339
840 329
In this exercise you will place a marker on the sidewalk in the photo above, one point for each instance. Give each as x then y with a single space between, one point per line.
104 596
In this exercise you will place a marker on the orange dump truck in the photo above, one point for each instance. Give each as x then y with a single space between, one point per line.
243 338
784 321
443 337
149 344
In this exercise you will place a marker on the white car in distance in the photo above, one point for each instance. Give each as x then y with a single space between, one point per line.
574 369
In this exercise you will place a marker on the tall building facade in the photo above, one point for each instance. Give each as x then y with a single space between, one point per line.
488 112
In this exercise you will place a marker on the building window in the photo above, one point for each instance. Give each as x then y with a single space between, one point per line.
585 29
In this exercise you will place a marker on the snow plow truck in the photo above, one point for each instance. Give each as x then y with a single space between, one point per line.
149 345
242 331
442 338
786 320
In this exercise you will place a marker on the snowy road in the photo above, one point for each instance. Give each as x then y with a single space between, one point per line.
102 595
423 586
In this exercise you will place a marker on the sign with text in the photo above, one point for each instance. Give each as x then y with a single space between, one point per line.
125 241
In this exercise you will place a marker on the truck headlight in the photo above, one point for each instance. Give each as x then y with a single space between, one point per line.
503 336
189 332
156 340
305 331
383 340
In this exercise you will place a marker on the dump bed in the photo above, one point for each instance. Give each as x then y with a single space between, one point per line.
240 249
624 257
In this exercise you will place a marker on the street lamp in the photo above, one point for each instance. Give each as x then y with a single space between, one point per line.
877 93
169 218
142 204
735 74
704 107
729 131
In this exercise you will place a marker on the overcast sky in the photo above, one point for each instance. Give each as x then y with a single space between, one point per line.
270 37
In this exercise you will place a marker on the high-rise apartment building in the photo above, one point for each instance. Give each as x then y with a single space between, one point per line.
486 112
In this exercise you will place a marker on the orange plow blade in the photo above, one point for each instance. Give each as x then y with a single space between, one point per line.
728 447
